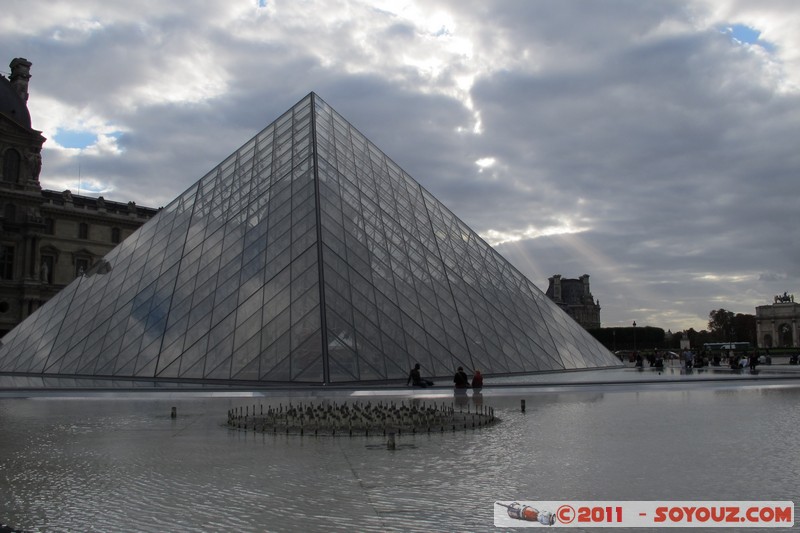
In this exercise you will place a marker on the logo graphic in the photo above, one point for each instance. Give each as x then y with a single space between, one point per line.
528 513
643 514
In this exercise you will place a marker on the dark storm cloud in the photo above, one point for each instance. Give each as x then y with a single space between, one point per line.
681 158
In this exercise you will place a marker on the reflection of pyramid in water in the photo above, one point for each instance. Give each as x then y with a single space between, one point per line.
306 256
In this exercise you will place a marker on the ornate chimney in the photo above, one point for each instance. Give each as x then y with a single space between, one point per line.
20 74
585 280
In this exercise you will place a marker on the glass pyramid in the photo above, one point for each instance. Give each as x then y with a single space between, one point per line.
306 256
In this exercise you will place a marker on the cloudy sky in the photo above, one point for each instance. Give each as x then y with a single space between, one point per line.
652 145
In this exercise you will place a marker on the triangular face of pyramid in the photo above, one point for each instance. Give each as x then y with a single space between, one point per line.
306 256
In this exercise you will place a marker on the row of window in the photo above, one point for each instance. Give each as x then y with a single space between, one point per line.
83 231
46 268
10 214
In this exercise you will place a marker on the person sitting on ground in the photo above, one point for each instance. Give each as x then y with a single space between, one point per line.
415 378
460 379
477 380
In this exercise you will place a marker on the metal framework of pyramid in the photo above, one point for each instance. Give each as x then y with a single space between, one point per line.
306 256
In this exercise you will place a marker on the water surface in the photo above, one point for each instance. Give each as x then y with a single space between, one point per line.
118 462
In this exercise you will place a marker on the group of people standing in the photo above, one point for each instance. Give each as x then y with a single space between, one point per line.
460 380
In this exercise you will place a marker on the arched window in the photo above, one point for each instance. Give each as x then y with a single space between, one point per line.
83 230
115 234
11 161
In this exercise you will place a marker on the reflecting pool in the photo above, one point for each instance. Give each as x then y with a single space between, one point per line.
117 461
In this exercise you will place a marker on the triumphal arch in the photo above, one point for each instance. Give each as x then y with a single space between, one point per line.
777 323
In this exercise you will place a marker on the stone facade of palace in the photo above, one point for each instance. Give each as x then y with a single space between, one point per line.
47 238
575 297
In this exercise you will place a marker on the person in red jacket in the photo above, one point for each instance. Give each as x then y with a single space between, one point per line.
477 380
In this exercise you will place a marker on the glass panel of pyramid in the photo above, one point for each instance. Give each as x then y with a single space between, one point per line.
306 256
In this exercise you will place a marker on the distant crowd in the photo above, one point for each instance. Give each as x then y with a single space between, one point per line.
689 359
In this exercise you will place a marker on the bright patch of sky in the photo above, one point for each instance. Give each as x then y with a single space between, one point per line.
91 186
76 31
194 78
485 162
81 185
88 142
74 138
494 237
744 34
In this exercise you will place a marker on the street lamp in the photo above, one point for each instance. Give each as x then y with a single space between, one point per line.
634 335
